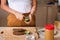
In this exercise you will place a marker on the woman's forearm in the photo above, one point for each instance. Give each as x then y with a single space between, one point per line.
33 10
34 6
6 8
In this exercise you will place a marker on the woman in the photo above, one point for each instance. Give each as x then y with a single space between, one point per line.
18 9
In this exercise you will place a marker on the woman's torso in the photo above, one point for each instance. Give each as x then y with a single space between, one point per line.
22 6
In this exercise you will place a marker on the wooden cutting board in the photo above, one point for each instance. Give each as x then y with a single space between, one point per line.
7 33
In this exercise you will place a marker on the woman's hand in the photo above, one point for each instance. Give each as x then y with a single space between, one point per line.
30 19
19 16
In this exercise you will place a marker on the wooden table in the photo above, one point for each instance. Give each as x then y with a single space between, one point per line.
7 33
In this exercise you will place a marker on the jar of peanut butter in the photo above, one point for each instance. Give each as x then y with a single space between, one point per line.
49 32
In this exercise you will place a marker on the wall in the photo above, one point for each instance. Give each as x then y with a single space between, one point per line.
3 16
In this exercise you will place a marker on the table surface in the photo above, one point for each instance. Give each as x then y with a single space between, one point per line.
8 33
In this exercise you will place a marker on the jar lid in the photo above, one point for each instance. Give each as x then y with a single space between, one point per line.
49 27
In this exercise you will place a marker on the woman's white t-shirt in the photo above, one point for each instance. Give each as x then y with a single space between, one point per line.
22 6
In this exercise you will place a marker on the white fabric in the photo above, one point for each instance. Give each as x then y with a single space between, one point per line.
22 6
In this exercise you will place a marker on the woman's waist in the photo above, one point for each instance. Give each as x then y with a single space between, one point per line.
26 14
